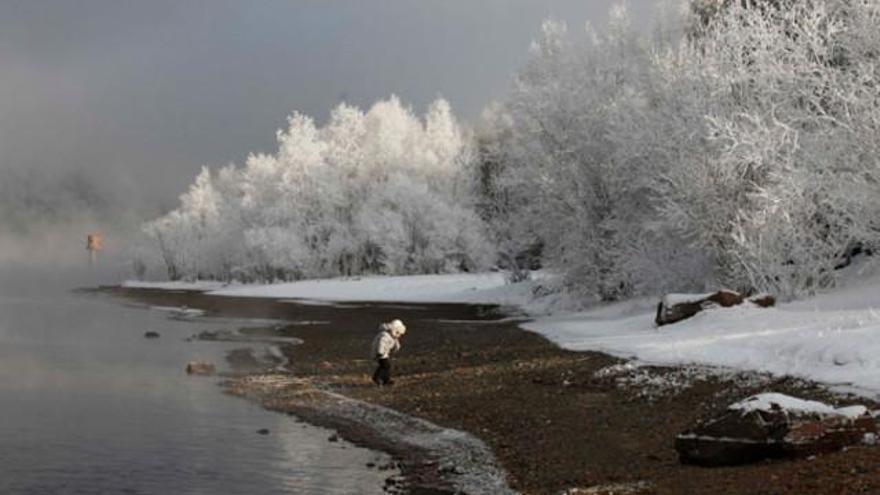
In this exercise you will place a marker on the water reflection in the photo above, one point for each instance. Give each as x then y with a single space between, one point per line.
87 405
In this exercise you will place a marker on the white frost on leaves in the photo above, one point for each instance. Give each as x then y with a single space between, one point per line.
380 191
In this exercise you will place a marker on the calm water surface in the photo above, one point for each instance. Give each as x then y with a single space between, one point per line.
87 405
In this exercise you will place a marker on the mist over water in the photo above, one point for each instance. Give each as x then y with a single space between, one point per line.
91 406
46 278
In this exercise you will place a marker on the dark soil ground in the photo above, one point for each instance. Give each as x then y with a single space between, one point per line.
551 421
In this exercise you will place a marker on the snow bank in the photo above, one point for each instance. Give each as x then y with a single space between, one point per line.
467 288
178 285
832 338
769 401
482 288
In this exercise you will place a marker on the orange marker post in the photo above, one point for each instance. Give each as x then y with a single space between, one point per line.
94 243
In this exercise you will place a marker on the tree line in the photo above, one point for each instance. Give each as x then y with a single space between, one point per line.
735 145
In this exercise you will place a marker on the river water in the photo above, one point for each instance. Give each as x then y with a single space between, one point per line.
88 405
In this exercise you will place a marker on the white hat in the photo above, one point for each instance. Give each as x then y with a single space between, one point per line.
396 327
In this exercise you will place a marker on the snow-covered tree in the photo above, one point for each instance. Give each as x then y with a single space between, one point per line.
374 192
743 153
588 196
503 199
784 185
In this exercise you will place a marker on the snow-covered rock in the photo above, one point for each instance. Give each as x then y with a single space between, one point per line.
774 425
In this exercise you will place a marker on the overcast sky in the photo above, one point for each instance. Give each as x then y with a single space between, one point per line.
140 94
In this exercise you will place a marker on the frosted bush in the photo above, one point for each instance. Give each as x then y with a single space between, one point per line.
374 192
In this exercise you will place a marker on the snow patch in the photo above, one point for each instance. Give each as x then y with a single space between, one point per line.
435 288
179 311
200 286
464 288
774 401
833 338
652 383
473 288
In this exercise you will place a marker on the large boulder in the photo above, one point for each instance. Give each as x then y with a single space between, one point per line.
676 307
773 425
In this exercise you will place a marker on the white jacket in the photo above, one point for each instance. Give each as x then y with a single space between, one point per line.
384 344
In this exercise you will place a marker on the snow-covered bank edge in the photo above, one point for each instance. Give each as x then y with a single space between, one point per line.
464 288
199 286
480 288
833 338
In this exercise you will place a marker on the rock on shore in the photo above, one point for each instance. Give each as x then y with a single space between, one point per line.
676 307
774 426
203 368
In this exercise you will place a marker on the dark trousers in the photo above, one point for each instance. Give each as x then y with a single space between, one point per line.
382 375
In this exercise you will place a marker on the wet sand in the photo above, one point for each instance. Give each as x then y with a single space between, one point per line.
554 419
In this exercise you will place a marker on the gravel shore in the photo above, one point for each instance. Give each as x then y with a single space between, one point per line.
555 420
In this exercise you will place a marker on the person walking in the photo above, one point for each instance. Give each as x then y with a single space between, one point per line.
386 343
